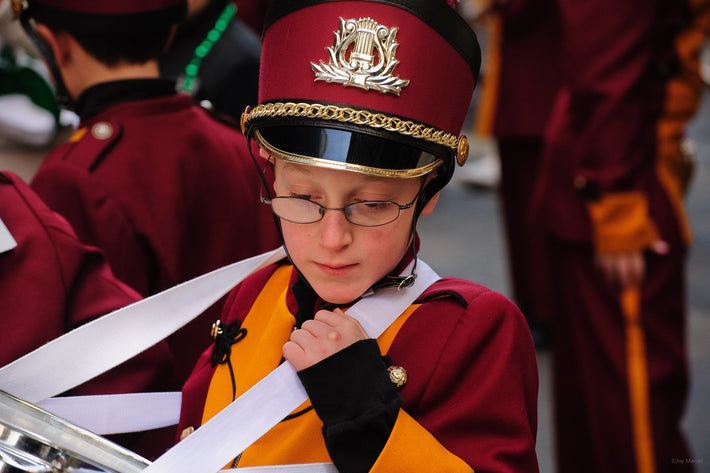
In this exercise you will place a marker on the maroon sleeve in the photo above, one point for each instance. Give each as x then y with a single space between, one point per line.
472 377
57 283
86 287
52 282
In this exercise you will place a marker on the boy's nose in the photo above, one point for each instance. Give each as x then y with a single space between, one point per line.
336 231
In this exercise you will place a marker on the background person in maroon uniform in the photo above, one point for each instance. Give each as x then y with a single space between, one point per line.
215 57
50 283
610 199
166 190
524 86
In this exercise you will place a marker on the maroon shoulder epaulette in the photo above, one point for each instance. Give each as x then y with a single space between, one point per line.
89 145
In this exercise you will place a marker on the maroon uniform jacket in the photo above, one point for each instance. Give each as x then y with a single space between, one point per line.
51 283
469 402
612 182
613 167
163 188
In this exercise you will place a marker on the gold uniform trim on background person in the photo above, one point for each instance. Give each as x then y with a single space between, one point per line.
358 117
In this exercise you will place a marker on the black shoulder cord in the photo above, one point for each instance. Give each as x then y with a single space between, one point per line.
224 337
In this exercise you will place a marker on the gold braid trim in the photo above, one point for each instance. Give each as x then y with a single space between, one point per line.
351 115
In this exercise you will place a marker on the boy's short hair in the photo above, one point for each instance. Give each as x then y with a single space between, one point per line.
133 48
112 31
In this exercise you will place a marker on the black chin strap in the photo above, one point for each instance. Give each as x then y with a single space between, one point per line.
61 93
406 281
397 281
402 281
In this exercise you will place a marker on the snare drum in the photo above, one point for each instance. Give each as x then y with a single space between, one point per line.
33 440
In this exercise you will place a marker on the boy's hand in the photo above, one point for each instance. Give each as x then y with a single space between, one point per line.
317 339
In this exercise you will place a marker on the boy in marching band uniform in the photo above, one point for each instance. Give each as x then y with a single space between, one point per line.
361 103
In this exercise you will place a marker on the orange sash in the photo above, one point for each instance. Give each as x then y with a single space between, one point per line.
269 324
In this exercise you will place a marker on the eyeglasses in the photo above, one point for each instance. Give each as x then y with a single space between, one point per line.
368 213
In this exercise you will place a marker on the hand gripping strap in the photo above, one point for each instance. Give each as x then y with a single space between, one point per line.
216 442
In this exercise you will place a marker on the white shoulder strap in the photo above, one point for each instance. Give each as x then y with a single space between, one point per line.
256 411
88 351
62 365
7 242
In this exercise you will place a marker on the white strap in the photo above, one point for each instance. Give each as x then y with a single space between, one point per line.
256 411
294 468
7 242
88 351
119 413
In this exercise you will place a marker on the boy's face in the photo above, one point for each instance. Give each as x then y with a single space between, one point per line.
339 259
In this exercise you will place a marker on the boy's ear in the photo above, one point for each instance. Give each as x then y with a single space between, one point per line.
429 207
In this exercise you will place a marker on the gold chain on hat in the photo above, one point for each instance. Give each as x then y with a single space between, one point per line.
351 115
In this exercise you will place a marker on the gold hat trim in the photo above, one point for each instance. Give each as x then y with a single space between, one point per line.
351 115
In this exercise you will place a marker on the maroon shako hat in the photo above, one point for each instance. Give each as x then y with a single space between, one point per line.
379 87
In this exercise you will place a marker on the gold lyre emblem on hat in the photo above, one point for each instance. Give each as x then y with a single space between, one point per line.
371 48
